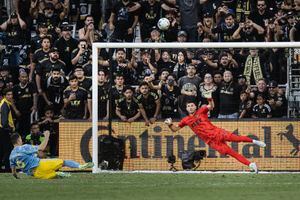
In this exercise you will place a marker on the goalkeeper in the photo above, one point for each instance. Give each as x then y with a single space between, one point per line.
215 137
25 157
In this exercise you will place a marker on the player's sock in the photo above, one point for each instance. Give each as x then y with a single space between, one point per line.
253 167
62 174
71 164
86 165
259 143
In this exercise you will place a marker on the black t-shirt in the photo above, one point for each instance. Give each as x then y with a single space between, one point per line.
15 35
259 19
54 90
247 105
83 58
279 111
179 70
123 18
45 66
297 33
229 94
102 99
51 22
148 103
65 49
189 13
23 97
150 14
39 55
225 33
253 36
261 111
76 108
122 68
169 102
86 83
128 108
142 70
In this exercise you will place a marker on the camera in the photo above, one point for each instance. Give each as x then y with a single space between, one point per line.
189 158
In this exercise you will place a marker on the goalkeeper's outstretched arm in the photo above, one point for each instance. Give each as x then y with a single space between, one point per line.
173 127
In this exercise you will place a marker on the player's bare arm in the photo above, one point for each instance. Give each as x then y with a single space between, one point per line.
173 127
43 145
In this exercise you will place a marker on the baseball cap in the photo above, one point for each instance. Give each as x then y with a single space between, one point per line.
241 76
181 33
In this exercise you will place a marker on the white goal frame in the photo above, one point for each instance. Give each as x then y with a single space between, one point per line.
175 45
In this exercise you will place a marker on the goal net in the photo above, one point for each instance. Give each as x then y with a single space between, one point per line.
153 147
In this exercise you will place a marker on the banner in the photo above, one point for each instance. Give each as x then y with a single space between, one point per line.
147 148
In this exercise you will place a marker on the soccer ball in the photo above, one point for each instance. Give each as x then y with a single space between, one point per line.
163 24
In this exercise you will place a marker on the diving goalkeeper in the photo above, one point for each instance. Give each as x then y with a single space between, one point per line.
25 157
215 137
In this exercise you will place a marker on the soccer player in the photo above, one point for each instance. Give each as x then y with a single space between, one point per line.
215 137
25 157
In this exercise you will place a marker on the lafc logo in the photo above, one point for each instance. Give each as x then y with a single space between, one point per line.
291 138
75 103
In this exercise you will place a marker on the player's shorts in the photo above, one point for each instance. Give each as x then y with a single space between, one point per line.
47 168
219 143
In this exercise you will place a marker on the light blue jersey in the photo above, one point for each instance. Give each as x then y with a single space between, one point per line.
24 157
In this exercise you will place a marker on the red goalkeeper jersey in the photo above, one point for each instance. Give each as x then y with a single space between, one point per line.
201 125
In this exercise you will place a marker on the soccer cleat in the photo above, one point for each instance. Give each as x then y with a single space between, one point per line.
86 165
63 174
259 143
253 167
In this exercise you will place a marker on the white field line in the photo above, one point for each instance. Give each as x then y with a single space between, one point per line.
194 172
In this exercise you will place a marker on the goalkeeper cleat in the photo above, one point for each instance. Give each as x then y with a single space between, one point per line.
86 165
63 174
253 167
259 143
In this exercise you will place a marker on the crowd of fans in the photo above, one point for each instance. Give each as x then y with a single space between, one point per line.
45 72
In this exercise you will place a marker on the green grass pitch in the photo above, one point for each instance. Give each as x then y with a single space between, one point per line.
86 186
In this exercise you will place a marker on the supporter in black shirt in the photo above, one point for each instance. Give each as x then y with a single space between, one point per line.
117 92
277 101
65 45
25 96
165 62
81 55
35 42
122 66
245 105
149 15
229 97
44 68
103 89
83 81
75 100
144 67
261 14
169 98
54 88
149 104
261 109
127 108
39 55
249 32
226 29
15 29
49 17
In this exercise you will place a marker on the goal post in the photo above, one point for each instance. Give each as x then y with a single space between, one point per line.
95 55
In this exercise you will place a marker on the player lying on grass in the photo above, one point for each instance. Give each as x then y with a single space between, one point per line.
25 157
215 137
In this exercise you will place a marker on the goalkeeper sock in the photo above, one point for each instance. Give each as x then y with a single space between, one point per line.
71 164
